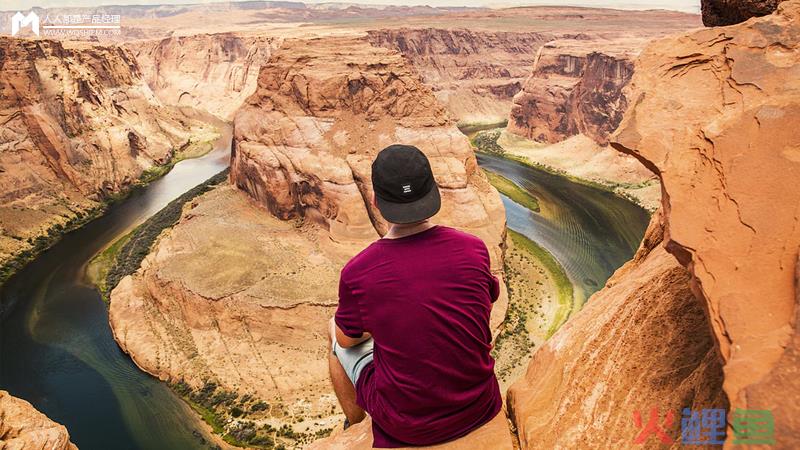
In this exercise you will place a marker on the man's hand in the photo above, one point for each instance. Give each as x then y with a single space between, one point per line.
344 340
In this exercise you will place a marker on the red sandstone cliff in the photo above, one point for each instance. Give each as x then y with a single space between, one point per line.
728 161
23 427
213 72
728 157
78 125
473 73
643 341
575 87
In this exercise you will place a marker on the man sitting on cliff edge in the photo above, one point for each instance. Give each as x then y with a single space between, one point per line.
411 336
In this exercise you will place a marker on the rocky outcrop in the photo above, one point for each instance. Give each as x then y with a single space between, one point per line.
729 159
304 142
473 73
23 427
729 12
575 87
643 341
494 435
237 295
78 125
720 291
213 72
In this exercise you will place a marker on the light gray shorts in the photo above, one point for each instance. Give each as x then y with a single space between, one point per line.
354 359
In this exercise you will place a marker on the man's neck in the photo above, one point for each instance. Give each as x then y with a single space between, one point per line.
397 230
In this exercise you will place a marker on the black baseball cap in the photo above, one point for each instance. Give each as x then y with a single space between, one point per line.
405 190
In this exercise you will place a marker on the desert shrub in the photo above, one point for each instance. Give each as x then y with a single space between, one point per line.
259 406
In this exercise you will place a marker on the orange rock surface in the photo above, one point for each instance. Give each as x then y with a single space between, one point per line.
474 73
213 72
22 427
78 125
641 342
728 155
575 87
494 435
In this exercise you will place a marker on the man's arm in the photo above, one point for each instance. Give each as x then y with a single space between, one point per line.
346 341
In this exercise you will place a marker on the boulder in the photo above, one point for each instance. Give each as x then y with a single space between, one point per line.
22 427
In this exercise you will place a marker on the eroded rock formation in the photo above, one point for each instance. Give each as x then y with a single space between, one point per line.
78 124
473 73
728 161
213 72
575 87
304 142
642 342
730 12
23 427
728 156
239 292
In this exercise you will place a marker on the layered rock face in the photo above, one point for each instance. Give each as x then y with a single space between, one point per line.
304 142
728 156
213 72
23 427
239 292
730 12
474 74
574 89
78 125
727 160
641 342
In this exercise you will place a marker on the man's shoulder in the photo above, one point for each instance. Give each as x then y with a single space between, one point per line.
361 260
462 236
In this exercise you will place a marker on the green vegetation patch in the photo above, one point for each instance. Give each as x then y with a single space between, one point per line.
125 256
472 128
241 420
48 239
557 273
513 191
486 141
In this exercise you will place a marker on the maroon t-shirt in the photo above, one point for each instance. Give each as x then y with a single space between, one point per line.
426 300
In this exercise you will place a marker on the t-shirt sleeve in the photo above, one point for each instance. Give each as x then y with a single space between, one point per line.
348 314
494 288
494 283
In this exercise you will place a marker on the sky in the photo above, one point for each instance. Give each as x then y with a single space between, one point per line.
679 5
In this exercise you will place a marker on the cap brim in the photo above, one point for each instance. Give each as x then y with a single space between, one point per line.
411 212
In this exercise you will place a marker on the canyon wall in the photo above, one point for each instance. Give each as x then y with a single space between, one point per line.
212 72
473 73
729 160
23 427
78 125
238 294
575 87
709 114
642 342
